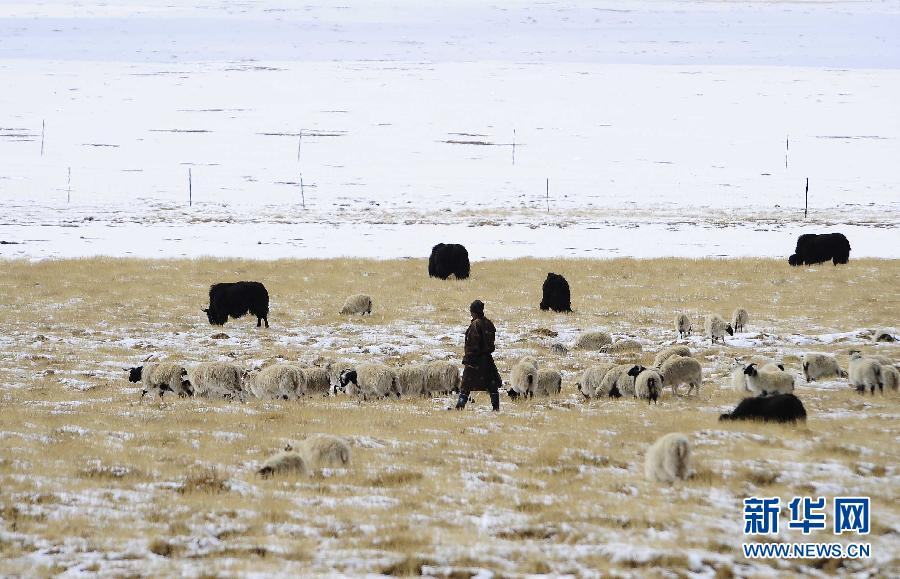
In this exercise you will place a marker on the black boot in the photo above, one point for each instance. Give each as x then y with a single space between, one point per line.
495 401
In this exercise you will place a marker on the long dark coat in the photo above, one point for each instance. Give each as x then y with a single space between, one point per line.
479 372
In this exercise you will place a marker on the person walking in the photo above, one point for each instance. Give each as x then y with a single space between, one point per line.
479 370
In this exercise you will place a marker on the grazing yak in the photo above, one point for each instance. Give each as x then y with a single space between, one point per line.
815 248
235 300
778 408
448 259
556 294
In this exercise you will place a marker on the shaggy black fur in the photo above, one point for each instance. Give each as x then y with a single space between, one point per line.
448 259
134 374
235 300
815 248
556 294
777 408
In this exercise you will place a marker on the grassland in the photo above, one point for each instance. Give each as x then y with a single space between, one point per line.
94 481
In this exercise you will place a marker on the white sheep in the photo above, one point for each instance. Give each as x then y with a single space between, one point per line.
285 462
549 382
768 380
441 377
375 381
592 340
648 385
668 458
278 381
716 328
621 347
817 366
217 380
619 381
412 379
678 370
357 305
739 319
864 372
161 377
591 378
523 375
317 380
683 325
664 355
324 450
890 377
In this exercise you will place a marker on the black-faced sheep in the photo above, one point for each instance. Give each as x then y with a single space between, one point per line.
716 328
357 305
883 336
777 408
589 381
237 299
441 377
161 377
668 459
678 370
739 319
817 366
648 385
286 462
865 373
683 325
448 259
768 380
818 248
556 294
523 376
664 355
371 381
412 379
619 381
622 347
217 380
278 382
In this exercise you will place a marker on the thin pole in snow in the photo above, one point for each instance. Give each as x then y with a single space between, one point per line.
514 148
43 124
806 204
548 194
787 149
69 187
299 142
190 189
302 194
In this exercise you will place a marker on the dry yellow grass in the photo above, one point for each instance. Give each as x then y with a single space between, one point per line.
93 480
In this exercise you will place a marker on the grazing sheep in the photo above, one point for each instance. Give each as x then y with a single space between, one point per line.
648 385
441 377
278 381
317 380
357 305
412 379
217 380
817 366
592 340
777 408
589 381
621 347
285 462
771 366
523 375
324 450
865 372
371 381
890 377
664 355
883 360
161 377
716 328
668 458
768 380
683 325
739 319
559 349
619 381
549 382
883 336
678 370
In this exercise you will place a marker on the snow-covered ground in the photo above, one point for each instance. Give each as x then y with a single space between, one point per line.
684 129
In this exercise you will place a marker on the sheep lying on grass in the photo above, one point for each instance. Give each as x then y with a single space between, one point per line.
683 325
279 381
217 380
325 450
678 370
161 377
664 355
592 340
668 459
621 347
716 328
883 336
357 305
777 408
865 373
286 462
817 366
769 379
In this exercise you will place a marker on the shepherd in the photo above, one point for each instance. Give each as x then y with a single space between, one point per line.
479 370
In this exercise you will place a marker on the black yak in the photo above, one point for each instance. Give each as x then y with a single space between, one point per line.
235 300
777 408
813 248
556 294
447 259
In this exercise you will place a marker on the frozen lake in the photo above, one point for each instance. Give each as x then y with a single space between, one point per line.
683 128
